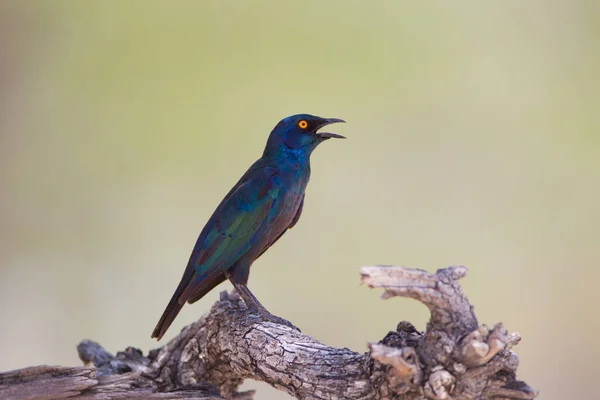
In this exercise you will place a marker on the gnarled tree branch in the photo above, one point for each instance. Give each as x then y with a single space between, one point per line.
454 358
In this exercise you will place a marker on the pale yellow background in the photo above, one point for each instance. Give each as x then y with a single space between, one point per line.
473 138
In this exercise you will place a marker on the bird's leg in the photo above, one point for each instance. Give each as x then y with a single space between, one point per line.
254 306
249 298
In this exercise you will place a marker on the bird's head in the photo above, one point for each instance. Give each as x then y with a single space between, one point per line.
301 132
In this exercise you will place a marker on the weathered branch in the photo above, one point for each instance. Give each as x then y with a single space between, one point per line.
454 358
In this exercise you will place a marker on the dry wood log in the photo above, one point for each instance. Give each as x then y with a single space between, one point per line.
455 358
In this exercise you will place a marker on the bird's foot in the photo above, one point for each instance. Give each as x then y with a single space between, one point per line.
265 315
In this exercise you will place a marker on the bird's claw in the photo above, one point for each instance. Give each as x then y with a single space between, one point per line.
266 316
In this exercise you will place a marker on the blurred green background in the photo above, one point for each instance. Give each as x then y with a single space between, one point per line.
473 138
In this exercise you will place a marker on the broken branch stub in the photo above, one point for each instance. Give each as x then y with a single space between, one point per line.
440 292
455 357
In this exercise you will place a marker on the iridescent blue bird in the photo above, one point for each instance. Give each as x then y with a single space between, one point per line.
258 210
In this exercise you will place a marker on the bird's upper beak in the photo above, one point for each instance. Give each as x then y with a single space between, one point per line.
327 135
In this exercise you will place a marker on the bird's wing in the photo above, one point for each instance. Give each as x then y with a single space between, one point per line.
233 229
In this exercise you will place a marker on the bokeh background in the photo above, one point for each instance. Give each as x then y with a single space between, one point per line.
473 138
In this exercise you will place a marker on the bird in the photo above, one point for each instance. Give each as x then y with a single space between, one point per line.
266 202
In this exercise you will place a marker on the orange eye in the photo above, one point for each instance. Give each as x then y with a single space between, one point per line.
303 124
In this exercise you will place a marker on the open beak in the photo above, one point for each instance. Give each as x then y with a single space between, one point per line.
327 135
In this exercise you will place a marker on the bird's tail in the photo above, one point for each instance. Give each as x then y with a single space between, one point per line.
191 289
168 316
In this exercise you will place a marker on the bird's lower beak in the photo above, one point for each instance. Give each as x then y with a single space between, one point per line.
327 135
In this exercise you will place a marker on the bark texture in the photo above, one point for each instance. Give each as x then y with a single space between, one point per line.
455 358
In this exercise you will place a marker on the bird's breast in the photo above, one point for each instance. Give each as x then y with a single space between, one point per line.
286 205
